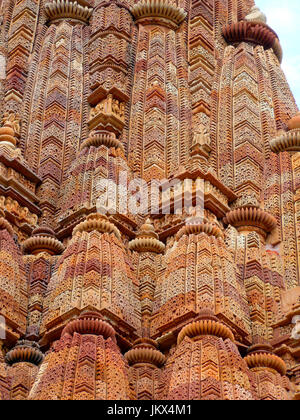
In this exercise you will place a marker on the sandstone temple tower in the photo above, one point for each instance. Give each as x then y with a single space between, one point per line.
153 305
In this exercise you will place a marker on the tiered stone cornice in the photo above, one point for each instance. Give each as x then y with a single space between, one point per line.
43 240
66 9
288 141
25 351
160 12
256 32
261 357
98 138
193 227
89 323
99 223
208 324
145 351
251 218
147 240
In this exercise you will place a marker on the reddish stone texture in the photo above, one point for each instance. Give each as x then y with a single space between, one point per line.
147 306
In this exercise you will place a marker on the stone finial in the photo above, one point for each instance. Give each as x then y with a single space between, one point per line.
145 351
10 129
147 240
256 15
294 123
288 141
43 239
147 230
90 323
201 144
4 224
25 351
158 11
253 31
207 325
248 219
66 9
97 222
102 138
260 356
196 226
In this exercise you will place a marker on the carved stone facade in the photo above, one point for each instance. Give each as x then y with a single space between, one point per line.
147 306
